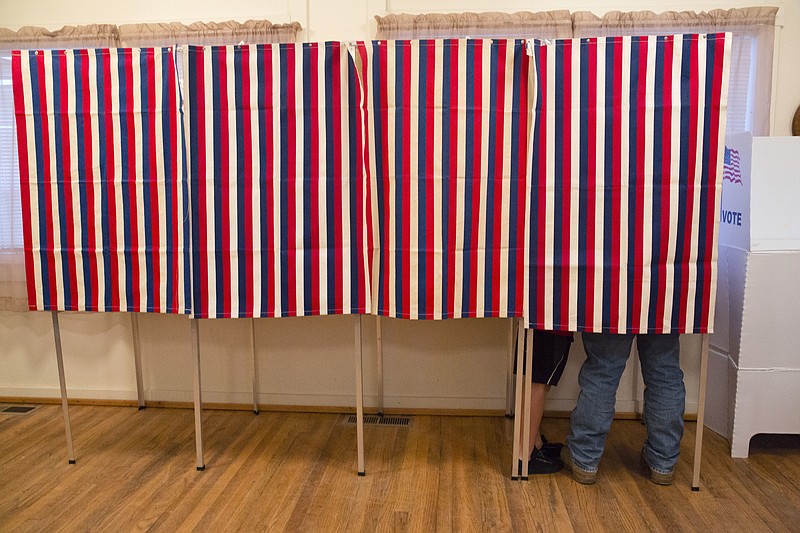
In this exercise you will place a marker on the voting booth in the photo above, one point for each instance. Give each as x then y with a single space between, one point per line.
754 359
289 180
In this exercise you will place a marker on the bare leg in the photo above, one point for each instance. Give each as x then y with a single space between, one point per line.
535 411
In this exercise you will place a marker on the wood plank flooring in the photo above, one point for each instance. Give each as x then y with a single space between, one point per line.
297 472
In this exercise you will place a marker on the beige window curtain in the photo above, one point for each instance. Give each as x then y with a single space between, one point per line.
158 34
208 33
753 28
33 37
545 25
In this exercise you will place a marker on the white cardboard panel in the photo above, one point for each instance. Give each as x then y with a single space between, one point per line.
775 194
770 336
754 384
720 338
736 270
767 402
717 414
759 205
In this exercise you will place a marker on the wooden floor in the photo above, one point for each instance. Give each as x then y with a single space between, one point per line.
297 472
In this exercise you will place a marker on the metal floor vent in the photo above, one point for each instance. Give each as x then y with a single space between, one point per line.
374 420
17 409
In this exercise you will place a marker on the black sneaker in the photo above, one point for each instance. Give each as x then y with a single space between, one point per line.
551 449
543 463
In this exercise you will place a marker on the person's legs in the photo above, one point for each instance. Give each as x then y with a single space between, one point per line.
664 399
541 460
606 356
550 354
538 396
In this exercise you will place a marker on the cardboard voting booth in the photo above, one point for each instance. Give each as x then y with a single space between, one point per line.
754 359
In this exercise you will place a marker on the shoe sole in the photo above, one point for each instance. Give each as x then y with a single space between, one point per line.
578 474
550 469
658 478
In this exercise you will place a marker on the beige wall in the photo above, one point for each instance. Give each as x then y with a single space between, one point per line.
352 19
310 361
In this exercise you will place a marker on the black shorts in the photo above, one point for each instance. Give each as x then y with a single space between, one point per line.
550 353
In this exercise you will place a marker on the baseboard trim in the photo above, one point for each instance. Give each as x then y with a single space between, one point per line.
301 408
71 401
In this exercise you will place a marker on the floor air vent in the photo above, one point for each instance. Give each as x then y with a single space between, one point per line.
374 420
17 409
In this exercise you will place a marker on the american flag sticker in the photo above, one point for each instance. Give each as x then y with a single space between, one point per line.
731 170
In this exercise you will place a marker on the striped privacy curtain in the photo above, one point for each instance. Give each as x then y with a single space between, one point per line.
572 182
278 184
626 154
103 186
447 127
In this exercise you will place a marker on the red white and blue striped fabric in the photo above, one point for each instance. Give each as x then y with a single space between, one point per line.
278 181
103 187
626 153
447 132
607 152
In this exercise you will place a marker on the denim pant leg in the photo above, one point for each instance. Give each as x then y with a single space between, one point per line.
606 356
664 399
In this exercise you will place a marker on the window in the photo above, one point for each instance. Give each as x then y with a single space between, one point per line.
747 108
10 211
741 84
750 75
11 240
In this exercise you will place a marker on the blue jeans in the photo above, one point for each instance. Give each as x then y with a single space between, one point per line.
664 397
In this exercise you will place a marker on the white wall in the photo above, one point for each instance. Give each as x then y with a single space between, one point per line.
310 361
353 19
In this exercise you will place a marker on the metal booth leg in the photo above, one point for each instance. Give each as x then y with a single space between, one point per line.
198 396
701 414
359 396
137 359
63 384
516 453
512 328
526 420
379 365
255 364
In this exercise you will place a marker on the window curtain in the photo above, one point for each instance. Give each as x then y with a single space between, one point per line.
544 25
753 29
13 292
208 33
34 37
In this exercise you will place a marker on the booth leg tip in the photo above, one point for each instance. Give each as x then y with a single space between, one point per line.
142 407
695 489
514 478
201 468
256 412
71 461
362 474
